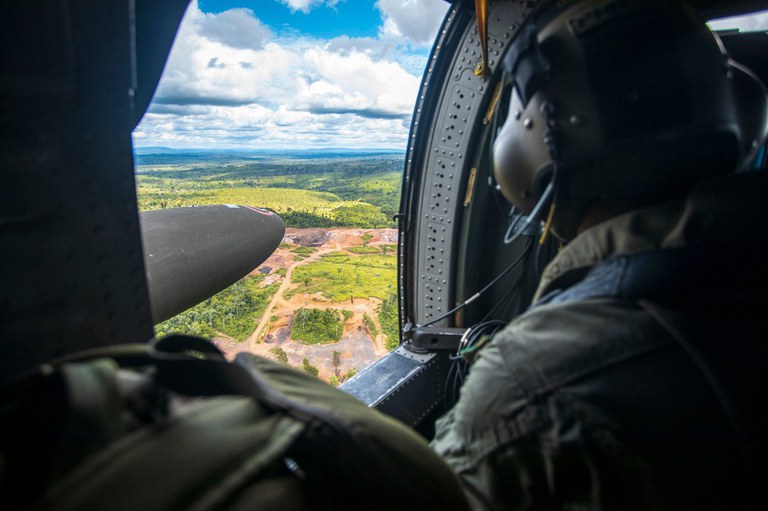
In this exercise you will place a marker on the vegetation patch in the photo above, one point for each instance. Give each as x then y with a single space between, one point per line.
360 214
389 321
308 368
233 312
317 326
365 250
302 219
370 325
304 250
280 354
341 277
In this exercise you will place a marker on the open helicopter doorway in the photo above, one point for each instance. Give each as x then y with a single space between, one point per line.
301 111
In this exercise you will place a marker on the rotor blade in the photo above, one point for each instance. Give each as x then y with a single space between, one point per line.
192 253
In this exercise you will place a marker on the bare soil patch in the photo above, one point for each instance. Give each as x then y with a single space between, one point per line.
357 346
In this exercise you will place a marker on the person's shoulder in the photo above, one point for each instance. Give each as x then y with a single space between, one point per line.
559 341
534 357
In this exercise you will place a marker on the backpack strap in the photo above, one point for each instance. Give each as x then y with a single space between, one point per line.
196 367
668 275
344 443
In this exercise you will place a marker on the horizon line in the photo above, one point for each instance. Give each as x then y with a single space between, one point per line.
263 149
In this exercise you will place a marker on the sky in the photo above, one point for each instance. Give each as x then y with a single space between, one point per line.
300 74
749 23
292 74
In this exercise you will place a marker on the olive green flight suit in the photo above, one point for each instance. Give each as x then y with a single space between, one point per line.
593 404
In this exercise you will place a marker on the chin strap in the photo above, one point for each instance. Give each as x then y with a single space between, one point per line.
548 224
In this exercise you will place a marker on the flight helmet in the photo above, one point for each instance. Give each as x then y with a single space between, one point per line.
621 103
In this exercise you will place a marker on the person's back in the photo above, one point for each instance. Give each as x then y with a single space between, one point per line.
636 379
590 399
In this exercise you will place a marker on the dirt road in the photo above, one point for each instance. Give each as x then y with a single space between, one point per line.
356 346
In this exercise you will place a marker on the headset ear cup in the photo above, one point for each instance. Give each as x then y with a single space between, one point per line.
517 158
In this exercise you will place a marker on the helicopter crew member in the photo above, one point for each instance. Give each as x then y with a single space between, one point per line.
637 378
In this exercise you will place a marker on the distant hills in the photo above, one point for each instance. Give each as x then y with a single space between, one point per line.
306 153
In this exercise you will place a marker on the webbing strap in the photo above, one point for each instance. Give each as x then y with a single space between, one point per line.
671 276
193 366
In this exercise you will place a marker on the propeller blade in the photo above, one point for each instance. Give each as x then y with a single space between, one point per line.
192 253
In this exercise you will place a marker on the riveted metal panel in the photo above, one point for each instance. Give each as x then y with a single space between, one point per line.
446 158
403 384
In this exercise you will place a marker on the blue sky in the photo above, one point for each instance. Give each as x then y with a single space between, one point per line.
355 18
752 22
292 74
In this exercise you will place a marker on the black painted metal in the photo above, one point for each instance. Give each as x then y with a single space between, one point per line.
193 253
377 381
71 266
427 103
445 144
403 385
156 25
436 338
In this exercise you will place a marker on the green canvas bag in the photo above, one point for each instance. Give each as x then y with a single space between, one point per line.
173 425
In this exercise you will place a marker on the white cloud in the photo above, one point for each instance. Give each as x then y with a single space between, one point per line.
202 70
254 127
307 5
415 20
373 47
357 83
749 23
221 91
237 28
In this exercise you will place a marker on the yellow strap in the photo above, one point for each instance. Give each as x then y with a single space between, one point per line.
481 10
548 224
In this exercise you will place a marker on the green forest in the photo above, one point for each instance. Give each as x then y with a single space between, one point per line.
317 326
306 191
233 312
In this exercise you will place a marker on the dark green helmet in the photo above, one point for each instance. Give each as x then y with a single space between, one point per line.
630 102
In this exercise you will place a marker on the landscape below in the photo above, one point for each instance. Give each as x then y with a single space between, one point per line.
305 189
326 300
